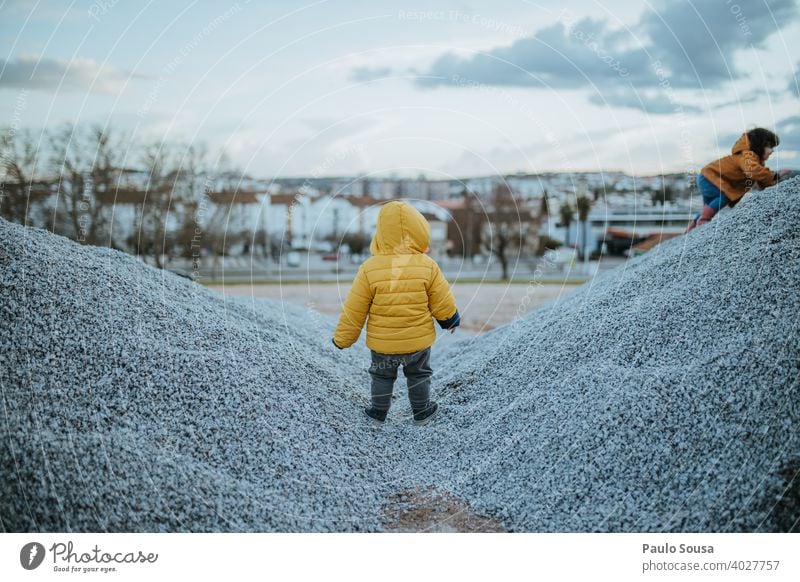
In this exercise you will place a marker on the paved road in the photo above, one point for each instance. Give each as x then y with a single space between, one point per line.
314 269
483 306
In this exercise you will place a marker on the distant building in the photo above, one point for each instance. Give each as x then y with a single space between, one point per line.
307 223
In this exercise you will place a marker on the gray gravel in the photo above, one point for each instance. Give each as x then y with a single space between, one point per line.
661 396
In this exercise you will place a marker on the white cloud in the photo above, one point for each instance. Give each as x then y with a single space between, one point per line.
29 71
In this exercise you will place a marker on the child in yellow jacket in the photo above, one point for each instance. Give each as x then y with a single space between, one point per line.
402 290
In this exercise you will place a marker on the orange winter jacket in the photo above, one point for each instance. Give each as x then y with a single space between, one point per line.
737 173
400 287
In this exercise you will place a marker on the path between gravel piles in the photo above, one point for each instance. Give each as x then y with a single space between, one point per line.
661 396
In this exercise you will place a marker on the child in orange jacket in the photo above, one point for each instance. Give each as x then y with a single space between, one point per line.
402 290
727 180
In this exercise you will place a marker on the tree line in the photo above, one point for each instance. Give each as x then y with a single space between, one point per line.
98 186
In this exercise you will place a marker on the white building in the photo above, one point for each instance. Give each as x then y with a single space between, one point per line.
639 220
315 223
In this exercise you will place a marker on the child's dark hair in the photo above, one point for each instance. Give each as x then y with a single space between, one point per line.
761 138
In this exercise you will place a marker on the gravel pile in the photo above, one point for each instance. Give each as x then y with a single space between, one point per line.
662 396
136 400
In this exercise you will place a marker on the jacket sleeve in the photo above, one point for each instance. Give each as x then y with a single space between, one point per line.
441 301
755 171
354 312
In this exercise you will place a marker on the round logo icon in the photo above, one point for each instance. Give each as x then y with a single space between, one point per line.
31 556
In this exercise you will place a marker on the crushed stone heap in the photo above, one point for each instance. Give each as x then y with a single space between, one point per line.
661 396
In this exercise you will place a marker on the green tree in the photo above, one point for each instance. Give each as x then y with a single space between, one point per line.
356 242
566 214
547 243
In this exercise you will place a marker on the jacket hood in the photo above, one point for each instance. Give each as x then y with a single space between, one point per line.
742 144
402 230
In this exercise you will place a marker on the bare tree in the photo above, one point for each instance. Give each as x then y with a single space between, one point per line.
663 195
190 191
86 163
464 231
508 225
234 208
161 200
20 193
544 208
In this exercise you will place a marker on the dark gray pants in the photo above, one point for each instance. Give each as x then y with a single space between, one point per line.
417 370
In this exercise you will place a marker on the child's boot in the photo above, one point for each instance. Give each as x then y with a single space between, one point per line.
425 415
377 416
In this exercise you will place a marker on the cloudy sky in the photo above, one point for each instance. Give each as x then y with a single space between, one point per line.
444 88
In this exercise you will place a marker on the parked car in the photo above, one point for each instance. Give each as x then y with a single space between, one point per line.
293 259
323 246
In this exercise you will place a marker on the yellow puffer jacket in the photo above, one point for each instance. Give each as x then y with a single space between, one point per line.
399 287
